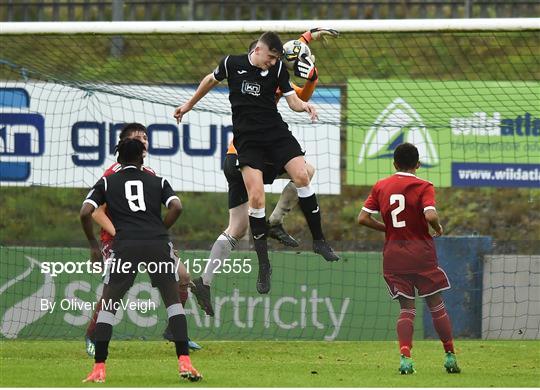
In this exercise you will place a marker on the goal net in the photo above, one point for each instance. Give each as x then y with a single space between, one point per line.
467 93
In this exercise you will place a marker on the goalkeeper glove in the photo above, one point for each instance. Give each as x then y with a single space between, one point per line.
305 68
316 34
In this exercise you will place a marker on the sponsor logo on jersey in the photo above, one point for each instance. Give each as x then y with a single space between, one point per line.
399 122
249 88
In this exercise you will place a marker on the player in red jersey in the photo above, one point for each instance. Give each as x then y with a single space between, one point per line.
407 206
107 233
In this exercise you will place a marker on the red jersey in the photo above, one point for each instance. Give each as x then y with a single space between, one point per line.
402 200
104 236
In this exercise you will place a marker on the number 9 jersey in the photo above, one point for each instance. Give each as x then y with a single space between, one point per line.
134 200
402 200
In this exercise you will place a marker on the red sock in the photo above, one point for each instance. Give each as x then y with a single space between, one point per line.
92 325
441 322
183 292
405 329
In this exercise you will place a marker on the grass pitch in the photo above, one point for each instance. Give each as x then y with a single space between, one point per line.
273 364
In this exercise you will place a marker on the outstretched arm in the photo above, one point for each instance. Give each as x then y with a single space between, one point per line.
318 33
205 86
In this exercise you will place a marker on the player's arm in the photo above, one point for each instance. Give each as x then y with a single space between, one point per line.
100 217
172 202
318 33
430 213
94 199
365 218
298 105
433 219
173 212
207 83
371 207
305 92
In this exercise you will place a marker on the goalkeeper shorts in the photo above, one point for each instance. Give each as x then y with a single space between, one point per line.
237 190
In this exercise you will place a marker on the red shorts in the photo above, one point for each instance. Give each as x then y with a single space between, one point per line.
106 248
426 282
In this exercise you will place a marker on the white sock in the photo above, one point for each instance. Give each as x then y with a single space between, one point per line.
287 201
221 249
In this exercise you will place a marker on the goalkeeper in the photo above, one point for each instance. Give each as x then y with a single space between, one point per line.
238 197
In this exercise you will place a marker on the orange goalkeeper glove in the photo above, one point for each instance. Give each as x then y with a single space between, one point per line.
316 34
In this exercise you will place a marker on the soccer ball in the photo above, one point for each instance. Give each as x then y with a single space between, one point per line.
294 50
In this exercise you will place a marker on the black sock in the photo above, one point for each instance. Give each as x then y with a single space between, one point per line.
103 334
178 327
311 211
259 232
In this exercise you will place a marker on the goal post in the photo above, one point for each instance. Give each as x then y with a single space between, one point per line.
466 92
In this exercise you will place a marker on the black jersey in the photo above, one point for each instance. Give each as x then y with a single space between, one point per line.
134 200
252 95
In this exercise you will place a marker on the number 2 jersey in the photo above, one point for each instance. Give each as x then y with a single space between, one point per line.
402 200
134 200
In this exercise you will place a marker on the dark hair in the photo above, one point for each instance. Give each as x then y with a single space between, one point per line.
271 39
132 128
130 151
252 45
406 156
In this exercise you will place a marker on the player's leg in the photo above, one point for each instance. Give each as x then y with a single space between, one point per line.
229 239
184 281
296 168
90 329
286 202
253 180
113 291
430 284
405 330
443 327
401 288
221 249
166 280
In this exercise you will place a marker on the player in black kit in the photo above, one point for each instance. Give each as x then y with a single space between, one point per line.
261 136
134 200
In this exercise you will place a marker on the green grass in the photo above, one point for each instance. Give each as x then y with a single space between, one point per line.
273 364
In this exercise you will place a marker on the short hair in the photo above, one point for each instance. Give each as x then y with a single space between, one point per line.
252 45
130 128
271 39
406 156
130 151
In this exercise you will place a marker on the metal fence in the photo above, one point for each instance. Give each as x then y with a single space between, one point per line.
95 10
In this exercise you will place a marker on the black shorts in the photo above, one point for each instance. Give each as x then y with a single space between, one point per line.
237 190
156 257
256 152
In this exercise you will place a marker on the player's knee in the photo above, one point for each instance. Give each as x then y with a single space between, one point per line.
310 170
238 230
256 199
183 277
301 179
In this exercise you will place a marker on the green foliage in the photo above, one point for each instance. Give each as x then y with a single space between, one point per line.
273 364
